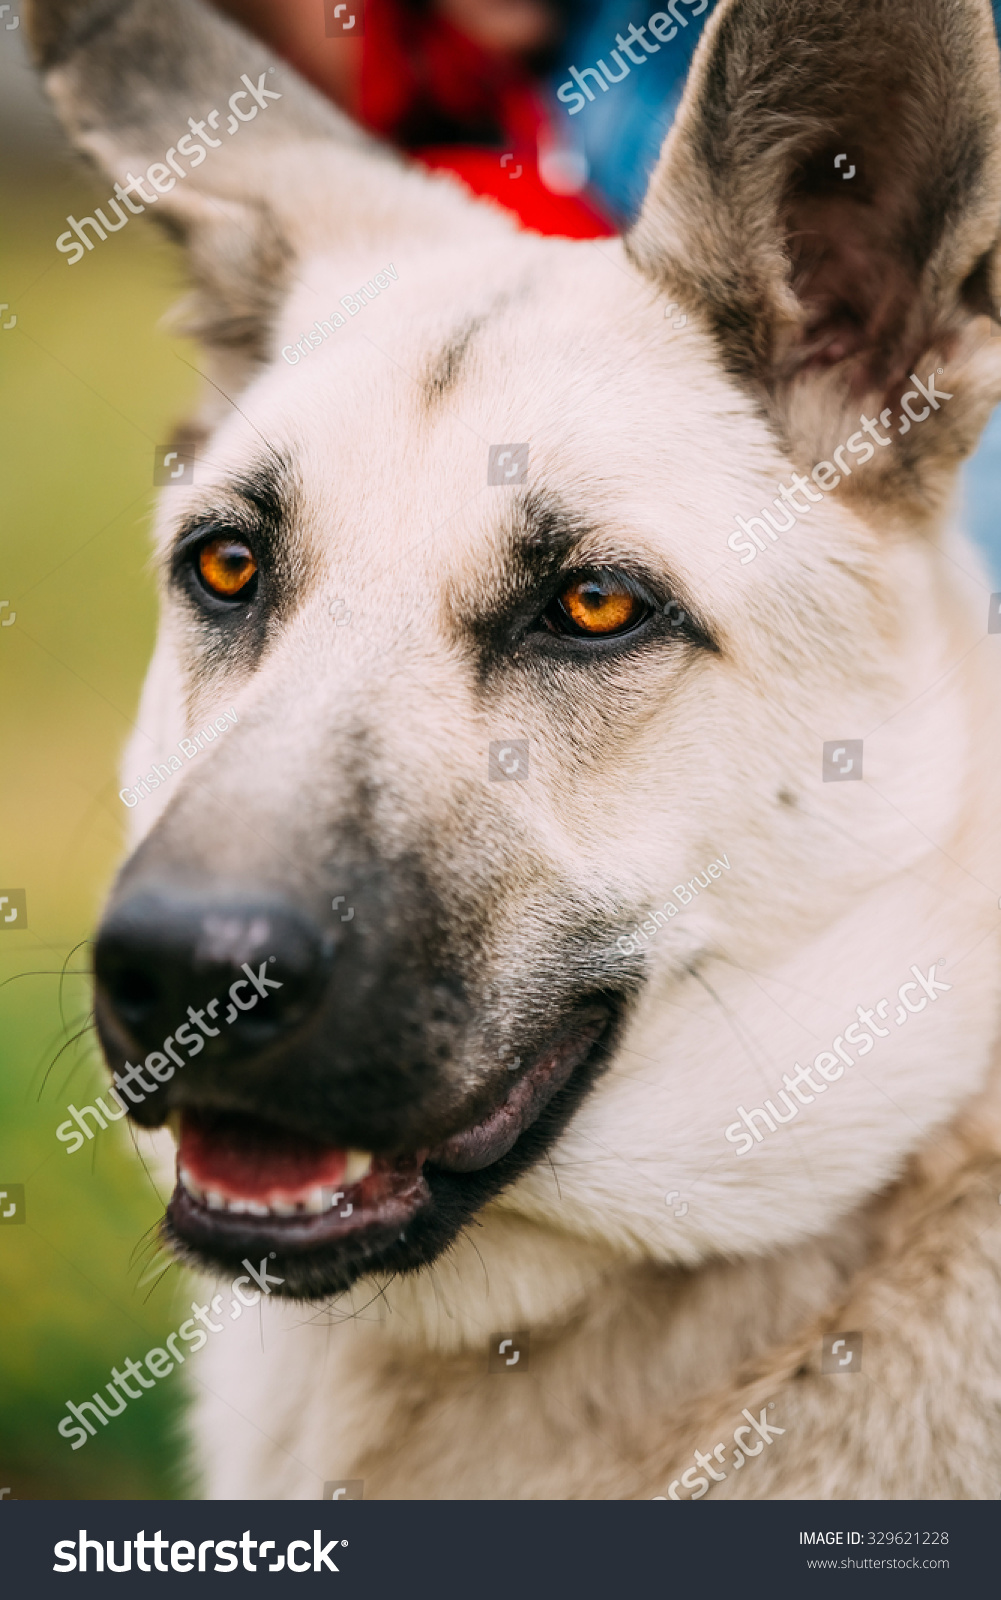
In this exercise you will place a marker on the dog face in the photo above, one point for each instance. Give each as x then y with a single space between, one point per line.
396 923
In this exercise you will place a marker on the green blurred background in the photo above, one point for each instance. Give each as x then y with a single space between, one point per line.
88 387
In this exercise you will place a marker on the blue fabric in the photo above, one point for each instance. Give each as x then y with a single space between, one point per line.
620 133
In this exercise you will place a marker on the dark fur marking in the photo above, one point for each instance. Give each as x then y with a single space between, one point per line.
443 371
57 29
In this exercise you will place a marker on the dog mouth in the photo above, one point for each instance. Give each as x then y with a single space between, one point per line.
239 1175
327 1213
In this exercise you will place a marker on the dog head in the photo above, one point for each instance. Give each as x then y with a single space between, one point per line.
467 671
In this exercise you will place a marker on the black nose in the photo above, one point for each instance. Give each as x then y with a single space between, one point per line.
238 974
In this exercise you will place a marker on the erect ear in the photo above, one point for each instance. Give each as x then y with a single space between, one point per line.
237 155
829 200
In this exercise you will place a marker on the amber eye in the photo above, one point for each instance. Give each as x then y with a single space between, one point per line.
226 566
601 606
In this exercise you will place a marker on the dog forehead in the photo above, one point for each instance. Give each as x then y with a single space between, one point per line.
413 420
526 325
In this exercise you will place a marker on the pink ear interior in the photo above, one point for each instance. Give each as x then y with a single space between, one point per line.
851 229
864 214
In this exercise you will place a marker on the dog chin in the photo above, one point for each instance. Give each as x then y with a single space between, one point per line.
324 1216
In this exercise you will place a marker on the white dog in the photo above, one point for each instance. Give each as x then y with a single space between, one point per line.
576 990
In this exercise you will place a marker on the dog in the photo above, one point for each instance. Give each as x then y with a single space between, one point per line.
603 1071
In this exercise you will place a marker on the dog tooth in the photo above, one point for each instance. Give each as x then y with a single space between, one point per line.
283 1208
239 1206
328 1198
215 1201
314 1201
359 1166
188 1183
257 1208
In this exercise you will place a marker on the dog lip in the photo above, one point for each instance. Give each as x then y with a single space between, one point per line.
487 1140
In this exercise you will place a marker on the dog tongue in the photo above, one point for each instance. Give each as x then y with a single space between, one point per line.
241 1156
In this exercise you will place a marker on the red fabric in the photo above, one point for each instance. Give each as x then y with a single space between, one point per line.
417 62
420 77
571 216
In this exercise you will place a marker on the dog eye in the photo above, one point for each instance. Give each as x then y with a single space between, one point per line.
599 606
226 566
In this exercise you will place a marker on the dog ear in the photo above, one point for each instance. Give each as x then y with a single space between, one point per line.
243 161
829 199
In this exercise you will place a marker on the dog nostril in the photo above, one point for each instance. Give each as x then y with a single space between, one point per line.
132 992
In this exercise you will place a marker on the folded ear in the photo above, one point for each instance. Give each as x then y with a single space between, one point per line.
234 153
829 199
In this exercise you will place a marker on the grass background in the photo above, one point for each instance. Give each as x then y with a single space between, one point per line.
88 388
